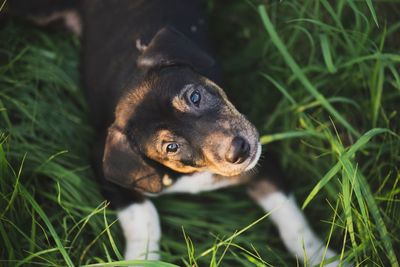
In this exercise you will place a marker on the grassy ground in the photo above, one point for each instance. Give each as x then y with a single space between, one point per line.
321 81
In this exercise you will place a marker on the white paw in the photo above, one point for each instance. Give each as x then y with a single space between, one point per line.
141 227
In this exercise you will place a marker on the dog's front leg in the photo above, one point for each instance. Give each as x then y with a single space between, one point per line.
142 231
292 225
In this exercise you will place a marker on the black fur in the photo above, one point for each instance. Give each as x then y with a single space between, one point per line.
175 33
112 63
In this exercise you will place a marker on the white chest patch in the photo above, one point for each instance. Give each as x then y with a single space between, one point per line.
198 182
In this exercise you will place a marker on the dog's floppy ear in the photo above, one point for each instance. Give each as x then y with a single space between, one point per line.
170 47
124 165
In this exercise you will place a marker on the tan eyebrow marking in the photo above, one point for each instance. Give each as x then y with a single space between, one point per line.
179 103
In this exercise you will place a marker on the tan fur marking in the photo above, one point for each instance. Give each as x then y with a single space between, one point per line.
166 135
261 188
180 104
177 166
126 107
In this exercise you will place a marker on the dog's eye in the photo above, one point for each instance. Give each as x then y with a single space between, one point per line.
172 148
195 98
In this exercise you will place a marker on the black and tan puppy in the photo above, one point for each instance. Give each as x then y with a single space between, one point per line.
163 124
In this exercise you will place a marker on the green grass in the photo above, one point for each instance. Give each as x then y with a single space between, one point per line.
320 80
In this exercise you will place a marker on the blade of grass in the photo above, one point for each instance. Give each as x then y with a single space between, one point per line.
110 237
46 220
337 167
326 53
6 242
144 263
299 73
16 185
347 195
327 5
324 180
381 227
372 10
236 234
34 255
376 84
266 139
190 249
280 88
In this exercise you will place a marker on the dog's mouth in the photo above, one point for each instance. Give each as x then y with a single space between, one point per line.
255 157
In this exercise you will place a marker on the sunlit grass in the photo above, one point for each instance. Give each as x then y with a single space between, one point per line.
320 80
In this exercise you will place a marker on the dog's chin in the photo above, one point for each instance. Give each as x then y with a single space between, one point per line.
254 159
244 167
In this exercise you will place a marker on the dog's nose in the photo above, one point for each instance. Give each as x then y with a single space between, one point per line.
238 151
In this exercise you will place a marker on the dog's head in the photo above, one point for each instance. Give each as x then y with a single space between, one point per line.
177 118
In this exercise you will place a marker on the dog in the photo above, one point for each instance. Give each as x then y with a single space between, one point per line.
163 124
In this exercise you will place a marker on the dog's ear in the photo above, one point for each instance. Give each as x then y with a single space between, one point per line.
170 47
124 165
